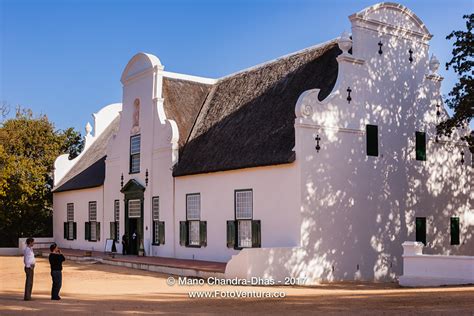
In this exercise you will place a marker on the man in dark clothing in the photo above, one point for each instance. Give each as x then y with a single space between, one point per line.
56 260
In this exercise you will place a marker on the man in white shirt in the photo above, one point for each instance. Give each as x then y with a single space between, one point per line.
29 259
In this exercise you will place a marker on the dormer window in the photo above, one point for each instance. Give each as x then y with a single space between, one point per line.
135 154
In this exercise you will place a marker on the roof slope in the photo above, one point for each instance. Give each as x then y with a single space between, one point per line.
248 118
89 171
182 101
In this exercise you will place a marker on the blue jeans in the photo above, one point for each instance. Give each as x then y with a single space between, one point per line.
57 283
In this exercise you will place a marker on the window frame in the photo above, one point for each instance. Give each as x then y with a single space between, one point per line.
238 220
190 243
70 222
135 154
93 224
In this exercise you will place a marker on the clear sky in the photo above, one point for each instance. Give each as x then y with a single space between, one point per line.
64 58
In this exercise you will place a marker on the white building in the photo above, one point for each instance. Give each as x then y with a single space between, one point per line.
317 164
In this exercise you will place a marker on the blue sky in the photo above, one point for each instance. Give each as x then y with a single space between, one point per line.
64 58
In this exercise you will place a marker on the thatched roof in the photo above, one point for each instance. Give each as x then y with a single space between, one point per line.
248 118
89 171
182 101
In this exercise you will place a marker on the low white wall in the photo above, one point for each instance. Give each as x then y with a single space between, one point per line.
9 251
434 270
40 242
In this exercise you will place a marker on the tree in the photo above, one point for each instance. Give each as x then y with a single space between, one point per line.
28 148
73 142
461 97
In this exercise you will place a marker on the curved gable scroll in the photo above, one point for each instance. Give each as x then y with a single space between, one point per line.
140 63
391 15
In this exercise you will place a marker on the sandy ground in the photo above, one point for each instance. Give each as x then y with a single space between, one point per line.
96 289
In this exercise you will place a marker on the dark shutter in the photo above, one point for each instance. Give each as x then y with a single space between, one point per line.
203 233
66 235
420 146
183 233
98 231
372 138
454 231
421 229
161 233
74 230
112 230
256 234
155 242
87 231
231 233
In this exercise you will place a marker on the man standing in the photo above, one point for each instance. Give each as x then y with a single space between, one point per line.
29 260
56 260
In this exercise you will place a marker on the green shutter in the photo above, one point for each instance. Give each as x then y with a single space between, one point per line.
74 230
256 234
65 230
372 139
455 231
112 230
183 233
161 233
421 229
98 231
87 231
231 233
420 146
203 233
153 231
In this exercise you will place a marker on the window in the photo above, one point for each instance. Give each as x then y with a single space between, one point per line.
92 227
454 225
372 139
243 232
70 226
421 229
158 227
420 146
135 154
193 231
115 225
134 208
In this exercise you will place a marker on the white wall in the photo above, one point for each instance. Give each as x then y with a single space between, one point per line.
434 270
274 203
81 199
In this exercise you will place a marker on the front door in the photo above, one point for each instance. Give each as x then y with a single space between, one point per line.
134 193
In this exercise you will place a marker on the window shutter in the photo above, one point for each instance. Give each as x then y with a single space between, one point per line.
203 233
421 230
420 146
454 231
183 233
98 230
87 232
65 230
161 233
372 139
231 234
112 230
256 234
74 230
154 241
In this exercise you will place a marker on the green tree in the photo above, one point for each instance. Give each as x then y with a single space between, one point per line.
461 97
28 147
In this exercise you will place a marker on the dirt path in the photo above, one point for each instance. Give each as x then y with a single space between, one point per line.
101 289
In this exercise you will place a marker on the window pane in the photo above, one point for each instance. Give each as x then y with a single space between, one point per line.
134 208
193 207
421 229
135 163
92 211
245 234
420 146
454 230
135 144
70 230
117 230
70 212
194 233
156 237
372 138
93 231
244 204
116 210
156 208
